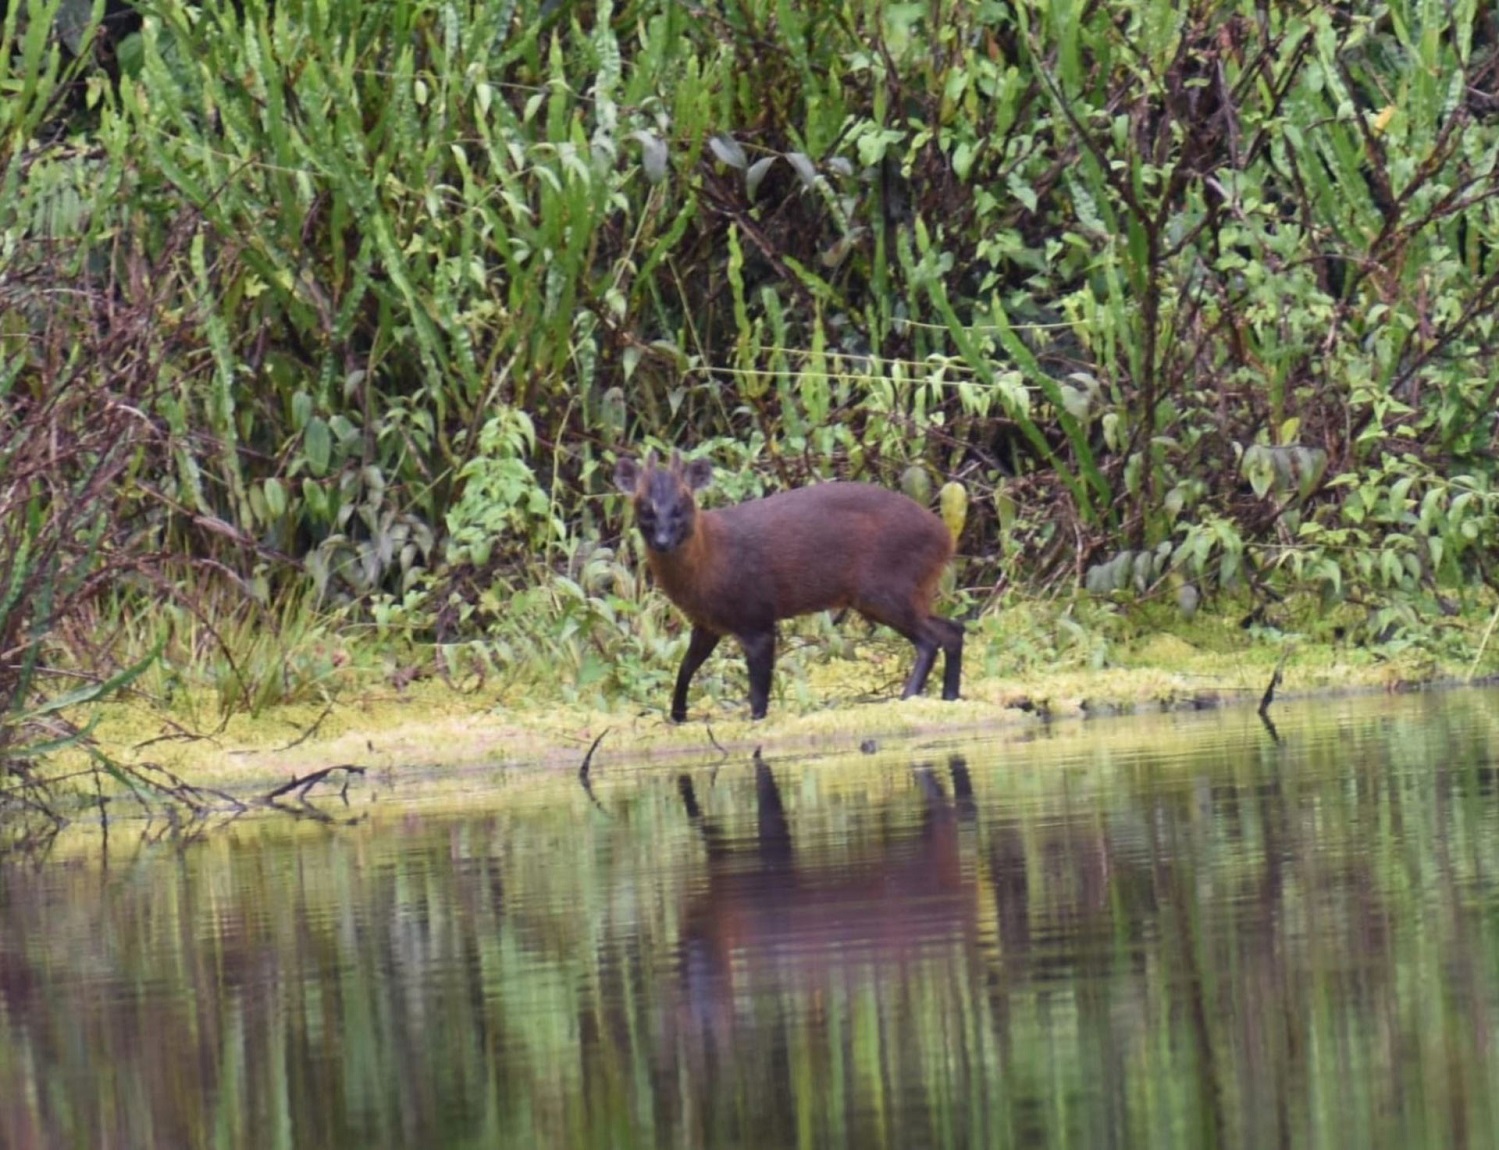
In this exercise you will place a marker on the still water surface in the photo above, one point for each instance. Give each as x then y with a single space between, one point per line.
1164 932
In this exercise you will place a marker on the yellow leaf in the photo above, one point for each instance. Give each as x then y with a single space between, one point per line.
954 503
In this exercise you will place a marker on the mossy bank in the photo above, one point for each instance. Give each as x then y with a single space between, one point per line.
1028 664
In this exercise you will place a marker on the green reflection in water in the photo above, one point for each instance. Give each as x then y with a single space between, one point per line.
1174 932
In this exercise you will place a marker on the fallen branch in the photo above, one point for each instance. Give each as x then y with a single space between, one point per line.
195 798
307 782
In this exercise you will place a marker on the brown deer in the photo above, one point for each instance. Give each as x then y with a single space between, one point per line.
738 570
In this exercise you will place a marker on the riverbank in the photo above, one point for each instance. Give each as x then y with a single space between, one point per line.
823 704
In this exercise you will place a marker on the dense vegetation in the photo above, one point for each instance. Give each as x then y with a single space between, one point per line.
324 315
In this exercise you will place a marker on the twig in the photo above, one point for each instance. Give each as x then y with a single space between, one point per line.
1269 696
299 740
1483 645
583 778
309 732
717 746
179 732
193 797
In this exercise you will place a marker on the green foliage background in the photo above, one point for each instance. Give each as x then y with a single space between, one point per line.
353 305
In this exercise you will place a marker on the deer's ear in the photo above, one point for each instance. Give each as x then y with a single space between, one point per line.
627 475
697 474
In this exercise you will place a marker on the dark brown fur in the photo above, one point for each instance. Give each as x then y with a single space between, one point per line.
738 570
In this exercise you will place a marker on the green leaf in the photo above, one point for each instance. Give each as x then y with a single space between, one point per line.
275 497
96 691
317 442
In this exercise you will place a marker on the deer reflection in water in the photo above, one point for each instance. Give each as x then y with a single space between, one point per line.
771 919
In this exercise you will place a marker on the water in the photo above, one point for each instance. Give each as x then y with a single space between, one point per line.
1164 932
